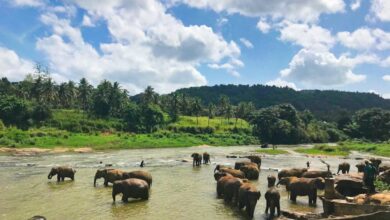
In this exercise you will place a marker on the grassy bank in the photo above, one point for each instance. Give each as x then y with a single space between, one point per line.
51 138
345 148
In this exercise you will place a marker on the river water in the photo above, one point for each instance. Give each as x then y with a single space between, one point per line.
179 191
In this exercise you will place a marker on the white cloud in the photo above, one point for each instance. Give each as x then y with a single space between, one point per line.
386 95
307 36
281 83
12 66
295 10
380 9
365 39
87 22
355 5
246 43
386 78
144 49
386 62
222 21
322 69
29 3
263 26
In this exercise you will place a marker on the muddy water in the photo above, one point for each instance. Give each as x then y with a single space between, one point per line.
179 191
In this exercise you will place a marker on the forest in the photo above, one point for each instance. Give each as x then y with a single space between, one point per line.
217 115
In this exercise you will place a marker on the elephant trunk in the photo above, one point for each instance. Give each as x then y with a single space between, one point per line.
49 176
113 197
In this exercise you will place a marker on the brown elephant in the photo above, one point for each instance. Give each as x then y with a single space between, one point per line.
109 175
238 164
233 172
255 159
206 158
350 187
271 179
297 172
286 181
343 167
272 198
317 173
218 175
230 187
385 177
248 195
139 174
376 162
360 166
196 159
306 187
61 173
218 167
251 171
131 188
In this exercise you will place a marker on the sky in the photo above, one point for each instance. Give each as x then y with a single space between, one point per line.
171 44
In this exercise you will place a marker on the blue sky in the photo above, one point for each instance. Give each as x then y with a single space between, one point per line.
170 44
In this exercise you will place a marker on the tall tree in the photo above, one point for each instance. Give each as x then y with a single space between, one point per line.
85 94
211 112
197 109
223 105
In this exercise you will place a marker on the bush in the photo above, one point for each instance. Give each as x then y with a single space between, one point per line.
2 126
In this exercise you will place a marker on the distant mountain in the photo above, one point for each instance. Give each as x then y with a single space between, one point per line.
327 105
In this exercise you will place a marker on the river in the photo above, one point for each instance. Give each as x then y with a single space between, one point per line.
179 191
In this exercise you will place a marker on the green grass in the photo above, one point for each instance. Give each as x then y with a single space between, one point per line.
381 149
324 150
271 151
218 123
52 138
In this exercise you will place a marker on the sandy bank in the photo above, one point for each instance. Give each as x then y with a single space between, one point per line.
37 151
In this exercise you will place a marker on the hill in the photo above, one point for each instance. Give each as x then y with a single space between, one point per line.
327 104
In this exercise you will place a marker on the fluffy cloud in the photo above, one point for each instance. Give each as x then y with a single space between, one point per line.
144 49
307 36
380 9
311 68
365 39
281 83
386 78
29 3
294 10
246 43
355 5
13 66
263 26
87 22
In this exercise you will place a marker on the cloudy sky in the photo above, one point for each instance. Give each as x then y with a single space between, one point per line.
170 44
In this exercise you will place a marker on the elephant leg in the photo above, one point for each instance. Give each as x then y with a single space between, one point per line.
125 198
266 207
315 197
63 179
272 210
105 182
219 191
72 177
241 204
58 178
293 196
278 207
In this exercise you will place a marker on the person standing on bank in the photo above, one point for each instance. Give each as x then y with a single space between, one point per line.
369 176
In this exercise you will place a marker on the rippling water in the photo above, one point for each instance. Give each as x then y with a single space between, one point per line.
179 191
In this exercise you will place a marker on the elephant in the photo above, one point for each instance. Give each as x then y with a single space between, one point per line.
286 181
233 172
61 173
196 159
238 164
218 175
272 198
131 188
251 171
218 167
139 174
255 159
384 167
206 158
360 167
317 173
229 187
306 187
109 175
349 187
385 177
297 172
247 197
271 179
343 167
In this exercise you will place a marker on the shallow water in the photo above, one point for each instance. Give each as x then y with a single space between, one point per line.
179 191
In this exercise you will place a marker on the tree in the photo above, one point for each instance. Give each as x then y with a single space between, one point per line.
240 111
132 117
223 105
15 111
41 113
197 109
149 96
101 99
210 112
85 94
173 107
152 117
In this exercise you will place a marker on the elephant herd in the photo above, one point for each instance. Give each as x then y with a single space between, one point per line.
135 184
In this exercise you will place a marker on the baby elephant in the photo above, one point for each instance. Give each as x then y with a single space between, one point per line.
247 197
272 198
61 173
131 188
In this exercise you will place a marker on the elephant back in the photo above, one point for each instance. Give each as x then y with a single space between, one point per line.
140 174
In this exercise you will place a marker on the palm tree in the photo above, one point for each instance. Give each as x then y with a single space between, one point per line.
197 108
84 94
223 105
211 112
